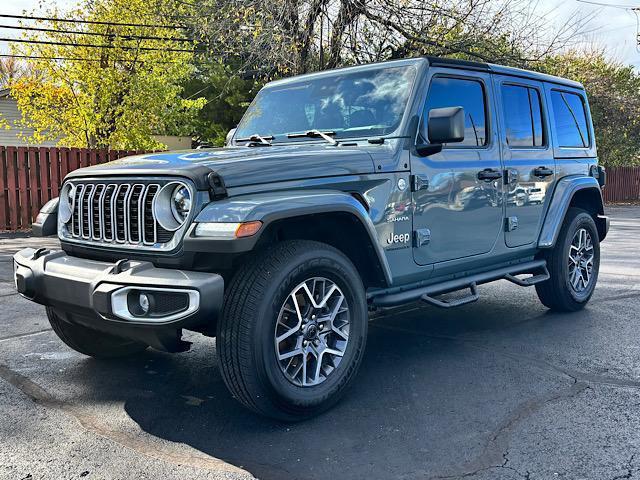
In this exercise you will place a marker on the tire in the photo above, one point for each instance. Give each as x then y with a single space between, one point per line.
91 342
558 293
259 309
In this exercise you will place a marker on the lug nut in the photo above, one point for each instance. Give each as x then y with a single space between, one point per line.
313 317
321 326
316 342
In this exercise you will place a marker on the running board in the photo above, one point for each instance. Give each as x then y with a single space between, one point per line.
529 281
472 297
428 292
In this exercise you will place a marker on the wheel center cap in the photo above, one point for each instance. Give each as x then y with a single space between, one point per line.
311 331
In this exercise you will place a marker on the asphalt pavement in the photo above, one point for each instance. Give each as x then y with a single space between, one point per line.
496 390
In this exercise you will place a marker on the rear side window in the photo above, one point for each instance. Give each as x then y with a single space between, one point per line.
570 119
523 116
468 94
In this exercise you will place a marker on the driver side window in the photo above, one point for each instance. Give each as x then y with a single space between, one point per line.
465 93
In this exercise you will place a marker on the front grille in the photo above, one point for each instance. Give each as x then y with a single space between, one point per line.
119 213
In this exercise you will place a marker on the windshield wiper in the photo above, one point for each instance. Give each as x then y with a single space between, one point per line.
315 134
256 140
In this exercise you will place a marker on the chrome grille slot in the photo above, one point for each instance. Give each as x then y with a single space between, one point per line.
96 213
119 213
148 222
87 201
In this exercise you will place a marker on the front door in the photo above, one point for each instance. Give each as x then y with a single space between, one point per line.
527 155
458 192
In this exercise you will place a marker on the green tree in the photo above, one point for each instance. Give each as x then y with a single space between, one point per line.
613 90
227 97
106 85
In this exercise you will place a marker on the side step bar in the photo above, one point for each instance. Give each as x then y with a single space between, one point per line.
428 292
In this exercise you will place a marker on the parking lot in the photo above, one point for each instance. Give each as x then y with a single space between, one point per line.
500 389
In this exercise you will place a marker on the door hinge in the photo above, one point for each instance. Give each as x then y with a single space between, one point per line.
510 224
510 176
421 237
419 182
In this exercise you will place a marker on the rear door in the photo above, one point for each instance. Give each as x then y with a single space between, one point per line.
528 157
458 195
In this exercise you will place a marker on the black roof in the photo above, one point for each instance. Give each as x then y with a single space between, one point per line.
454 62
501 70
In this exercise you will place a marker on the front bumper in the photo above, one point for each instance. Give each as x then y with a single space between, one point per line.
102 295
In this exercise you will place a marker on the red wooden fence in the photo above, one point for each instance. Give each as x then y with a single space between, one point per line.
30 176
623 185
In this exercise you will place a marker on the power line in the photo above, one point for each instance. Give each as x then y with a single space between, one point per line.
76 59
90 45
110 35
611 5
92 22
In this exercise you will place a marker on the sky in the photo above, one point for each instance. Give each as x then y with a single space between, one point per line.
611 28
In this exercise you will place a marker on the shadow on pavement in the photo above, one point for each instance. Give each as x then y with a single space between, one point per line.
423 403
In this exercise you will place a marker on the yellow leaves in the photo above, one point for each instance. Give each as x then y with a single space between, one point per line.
117 90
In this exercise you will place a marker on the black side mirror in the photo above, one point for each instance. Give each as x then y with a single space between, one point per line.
445 125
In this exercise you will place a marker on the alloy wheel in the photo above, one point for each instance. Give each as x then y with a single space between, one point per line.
581 257
312 332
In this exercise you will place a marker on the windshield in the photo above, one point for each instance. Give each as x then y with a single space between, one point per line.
359 104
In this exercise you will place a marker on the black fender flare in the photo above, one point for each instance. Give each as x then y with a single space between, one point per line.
566 188
275 206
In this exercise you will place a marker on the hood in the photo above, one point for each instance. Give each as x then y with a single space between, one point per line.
240 166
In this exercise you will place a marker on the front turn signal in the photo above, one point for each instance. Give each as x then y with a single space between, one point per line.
248 229
227 231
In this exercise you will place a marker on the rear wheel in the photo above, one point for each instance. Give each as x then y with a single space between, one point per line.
573 264
91 342
293 330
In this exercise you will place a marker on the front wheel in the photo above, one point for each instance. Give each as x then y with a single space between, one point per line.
293 330
573 264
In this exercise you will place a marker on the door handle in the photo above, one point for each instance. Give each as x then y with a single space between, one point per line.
489 174
542 172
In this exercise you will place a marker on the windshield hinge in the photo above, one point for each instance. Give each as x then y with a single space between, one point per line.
216 186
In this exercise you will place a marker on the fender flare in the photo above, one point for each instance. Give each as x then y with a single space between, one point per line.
566 189
274 206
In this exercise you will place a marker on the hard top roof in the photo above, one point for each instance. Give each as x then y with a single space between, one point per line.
448 63
502 70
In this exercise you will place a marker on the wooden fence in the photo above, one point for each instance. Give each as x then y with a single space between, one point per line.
30 176
623 185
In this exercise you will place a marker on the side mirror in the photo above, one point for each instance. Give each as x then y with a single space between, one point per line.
445 125
229 136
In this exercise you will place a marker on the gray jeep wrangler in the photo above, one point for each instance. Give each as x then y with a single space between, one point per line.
339 192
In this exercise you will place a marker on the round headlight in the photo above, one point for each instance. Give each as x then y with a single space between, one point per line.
181 203
66 203
172 205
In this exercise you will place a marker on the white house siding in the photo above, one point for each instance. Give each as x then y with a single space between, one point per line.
9 111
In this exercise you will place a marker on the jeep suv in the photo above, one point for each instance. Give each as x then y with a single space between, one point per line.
339 192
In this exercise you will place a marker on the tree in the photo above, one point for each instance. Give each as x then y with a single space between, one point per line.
271 38
104 84
11 69
248 42
613 91
227 97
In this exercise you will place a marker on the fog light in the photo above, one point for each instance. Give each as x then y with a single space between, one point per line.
143 300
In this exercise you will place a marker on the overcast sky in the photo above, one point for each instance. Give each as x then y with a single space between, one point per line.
612 28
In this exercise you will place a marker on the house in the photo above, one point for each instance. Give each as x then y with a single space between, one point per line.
15 135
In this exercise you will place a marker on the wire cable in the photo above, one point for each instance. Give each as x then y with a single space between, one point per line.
110 35
81 59
89 45
92 22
